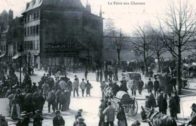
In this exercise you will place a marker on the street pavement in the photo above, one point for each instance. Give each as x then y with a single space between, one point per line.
90 105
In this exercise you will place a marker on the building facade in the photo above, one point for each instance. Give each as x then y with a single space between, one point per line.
6 17
61 32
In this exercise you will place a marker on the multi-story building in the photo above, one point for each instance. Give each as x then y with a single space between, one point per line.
5 21
61 31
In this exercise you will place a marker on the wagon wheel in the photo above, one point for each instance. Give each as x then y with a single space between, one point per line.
132 109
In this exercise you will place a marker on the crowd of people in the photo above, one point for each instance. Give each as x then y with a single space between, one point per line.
27 98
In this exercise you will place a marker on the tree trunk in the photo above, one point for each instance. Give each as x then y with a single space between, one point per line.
145 64
179 71
159 64
118 53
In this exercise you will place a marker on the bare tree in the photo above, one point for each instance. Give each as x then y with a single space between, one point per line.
157 46
181 28
116 38
118 42
141 44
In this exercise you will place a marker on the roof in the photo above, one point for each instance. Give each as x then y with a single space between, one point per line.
64 3
60 3
33 4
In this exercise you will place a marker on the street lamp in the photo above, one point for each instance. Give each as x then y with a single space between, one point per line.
20 50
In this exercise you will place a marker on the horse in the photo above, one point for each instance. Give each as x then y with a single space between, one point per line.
155 118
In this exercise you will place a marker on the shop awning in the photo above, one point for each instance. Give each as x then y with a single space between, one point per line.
16 56
2 55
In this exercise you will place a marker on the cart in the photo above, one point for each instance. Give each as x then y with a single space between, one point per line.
129 104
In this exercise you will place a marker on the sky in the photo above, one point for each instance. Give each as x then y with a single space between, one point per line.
125 17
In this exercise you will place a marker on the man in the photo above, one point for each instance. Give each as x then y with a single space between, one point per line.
162 103
173 107
101 116
58 119
109 113
156 86
34 87
69 84
177 98
150 86
51 100
122 121
83 87
75 87
150 101
45 88
140 86
134 88
88 88
123 86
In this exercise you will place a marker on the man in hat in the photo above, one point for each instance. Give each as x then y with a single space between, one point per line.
150 85
58 119
156 86
75 86
109 113
123 86
162 102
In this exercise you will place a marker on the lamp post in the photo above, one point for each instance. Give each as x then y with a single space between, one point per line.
20 50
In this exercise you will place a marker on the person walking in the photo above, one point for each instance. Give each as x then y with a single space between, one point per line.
177 98
123 86
134 88
51 100
140 86
69 84
162 103
109 113
58 120
75 87
101 115
45 88
150 85
86 73
122 121
83 87
156 86
88 88
173 107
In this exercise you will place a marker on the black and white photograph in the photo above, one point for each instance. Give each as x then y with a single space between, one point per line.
97 63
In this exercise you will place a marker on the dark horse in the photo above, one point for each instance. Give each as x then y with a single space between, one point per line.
155 118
